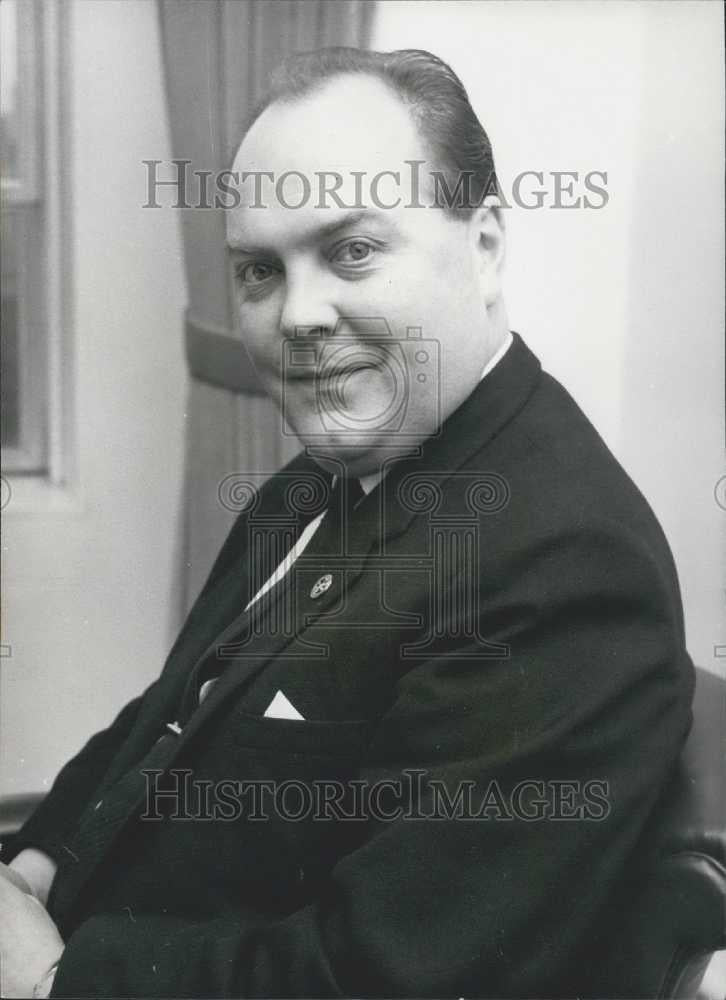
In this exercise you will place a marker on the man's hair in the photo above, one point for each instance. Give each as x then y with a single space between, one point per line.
435 97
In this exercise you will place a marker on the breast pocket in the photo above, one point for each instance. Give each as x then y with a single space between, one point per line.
346 739
298 778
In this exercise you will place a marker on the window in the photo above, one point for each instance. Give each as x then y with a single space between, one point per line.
31 372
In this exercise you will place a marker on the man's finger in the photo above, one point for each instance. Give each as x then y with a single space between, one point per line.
15 878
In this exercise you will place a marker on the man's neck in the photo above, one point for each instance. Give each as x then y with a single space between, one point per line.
370 480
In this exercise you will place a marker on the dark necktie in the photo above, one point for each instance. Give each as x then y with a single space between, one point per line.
329 539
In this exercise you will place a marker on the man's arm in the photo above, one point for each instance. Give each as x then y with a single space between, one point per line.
76 782
46 828
596 691
35 849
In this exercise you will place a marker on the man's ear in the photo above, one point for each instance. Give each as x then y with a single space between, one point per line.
488 242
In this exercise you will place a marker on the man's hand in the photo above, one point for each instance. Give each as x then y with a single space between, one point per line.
16 878
37 870
30 944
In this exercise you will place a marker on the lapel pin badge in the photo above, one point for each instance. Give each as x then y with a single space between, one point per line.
321 585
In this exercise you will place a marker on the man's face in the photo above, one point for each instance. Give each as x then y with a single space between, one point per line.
318 286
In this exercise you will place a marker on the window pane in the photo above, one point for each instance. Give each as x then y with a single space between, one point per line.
9 368
23 361
9 166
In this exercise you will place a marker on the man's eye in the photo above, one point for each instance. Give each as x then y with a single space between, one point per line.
353 252
255 272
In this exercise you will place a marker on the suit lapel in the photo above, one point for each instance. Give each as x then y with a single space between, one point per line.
275 627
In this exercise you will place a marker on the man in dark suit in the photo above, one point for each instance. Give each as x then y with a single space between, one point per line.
412 729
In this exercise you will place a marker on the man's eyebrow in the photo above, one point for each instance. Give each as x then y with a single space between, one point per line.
328 229
349 219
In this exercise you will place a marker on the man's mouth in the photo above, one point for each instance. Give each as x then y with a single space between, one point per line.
346 370
327 375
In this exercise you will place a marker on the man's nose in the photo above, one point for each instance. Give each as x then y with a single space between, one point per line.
308 308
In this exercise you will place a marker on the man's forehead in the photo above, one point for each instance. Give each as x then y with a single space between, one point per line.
336 156
350 123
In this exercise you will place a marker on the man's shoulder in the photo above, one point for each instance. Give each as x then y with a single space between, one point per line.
556 446
562 477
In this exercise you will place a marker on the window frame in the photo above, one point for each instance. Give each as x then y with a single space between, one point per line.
44 461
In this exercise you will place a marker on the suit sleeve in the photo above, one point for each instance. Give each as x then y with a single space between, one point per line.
75 784
71 790
564 746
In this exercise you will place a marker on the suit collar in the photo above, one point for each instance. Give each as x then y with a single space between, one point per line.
495 400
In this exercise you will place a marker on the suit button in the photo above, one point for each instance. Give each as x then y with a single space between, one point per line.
301 875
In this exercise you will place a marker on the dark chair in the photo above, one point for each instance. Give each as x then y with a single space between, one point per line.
676 918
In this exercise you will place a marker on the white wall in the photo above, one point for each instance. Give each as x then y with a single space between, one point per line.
88 587
625 304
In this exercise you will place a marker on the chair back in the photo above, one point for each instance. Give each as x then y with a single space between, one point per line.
677 917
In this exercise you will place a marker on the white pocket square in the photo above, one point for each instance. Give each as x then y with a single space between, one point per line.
282 708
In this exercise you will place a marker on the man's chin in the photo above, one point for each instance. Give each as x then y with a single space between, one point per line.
359 453
340 447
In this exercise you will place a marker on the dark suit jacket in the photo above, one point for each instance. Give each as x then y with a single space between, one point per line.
502 634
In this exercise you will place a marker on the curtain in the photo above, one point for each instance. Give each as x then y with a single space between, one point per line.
217 55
